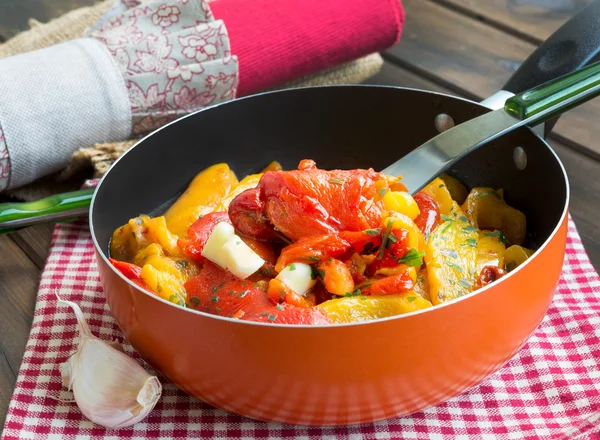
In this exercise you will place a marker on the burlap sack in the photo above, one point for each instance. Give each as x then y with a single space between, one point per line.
101 156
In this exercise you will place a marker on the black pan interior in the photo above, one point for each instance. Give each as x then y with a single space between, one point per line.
338 127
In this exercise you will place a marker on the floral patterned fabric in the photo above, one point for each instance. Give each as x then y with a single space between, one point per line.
174 57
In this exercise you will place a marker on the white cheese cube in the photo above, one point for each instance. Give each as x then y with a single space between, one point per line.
239 258
219 236
298 277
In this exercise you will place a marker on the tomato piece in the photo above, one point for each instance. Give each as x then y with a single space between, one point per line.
312 249
429 216
247 213
131 272
393 284
336 277
198 234
218 292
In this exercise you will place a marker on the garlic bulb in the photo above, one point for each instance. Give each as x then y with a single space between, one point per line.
110 388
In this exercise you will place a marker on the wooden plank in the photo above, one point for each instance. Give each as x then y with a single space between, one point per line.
585 187
475 60
35 242
14 14
18 287
529 19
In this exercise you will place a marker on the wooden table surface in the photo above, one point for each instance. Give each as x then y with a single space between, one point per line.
463 47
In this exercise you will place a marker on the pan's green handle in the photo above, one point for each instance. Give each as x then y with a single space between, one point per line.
60 207
555 97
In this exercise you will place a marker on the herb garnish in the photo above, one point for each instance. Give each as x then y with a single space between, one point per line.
446 218
292 267
453 266
449 253
272 317
465 283
411 298
351 294
412 258
279 307
373 232
337 180
242 294
382 192
384 239
469 228
471 242
195 301
214 299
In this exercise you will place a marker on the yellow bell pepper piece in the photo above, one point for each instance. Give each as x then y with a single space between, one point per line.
202 195
273 166
247 182
164 284
401 221
439 192
487 209
457 190
451 257
515 256
366 308
490 251
140 232
402 202
422 285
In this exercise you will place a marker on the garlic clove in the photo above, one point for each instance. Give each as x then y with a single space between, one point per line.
110 388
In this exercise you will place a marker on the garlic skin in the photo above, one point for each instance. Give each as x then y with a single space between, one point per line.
110 388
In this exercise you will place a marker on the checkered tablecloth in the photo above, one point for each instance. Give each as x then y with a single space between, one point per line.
549 390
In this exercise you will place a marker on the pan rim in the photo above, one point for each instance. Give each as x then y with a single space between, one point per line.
513 273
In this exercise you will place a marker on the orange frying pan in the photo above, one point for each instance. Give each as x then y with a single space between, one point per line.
351 373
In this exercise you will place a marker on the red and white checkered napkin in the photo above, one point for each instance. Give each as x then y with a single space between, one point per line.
550 389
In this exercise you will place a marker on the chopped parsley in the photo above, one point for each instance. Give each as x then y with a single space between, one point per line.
279 307
498 235
447 226
313 273
321 274
384 239
292 267
446 218
214 299
463 219
453 266
412 258
195 301
469 229
411 298
471 242
373 232
242 294
272 317
449 253
465 283
181 263
382 192
312 258
214 289
392 239
441 185
337 181
351 294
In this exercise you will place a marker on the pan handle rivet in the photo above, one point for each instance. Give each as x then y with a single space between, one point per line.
520 158
443 122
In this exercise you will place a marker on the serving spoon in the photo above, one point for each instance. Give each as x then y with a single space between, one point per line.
417 168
